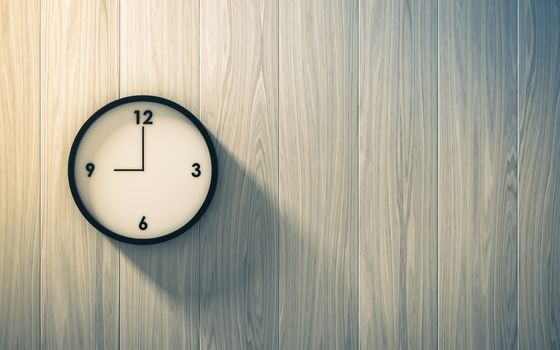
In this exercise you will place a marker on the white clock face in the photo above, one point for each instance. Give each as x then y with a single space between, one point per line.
141 169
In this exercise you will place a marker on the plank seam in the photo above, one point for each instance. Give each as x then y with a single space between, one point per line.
119 95
200 240
437 174
517 178
279 204
199 261
358 49
40 174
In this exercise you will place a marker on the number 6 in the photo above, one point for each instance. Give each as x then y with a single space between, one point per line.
143 225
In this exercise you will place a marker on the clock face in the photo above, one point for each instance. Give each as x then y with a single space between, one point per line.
142 169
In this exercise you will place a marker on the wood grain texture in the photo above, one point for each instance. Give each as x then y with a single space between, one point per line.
361 144
159 288
79 266
398 174
539 175
477 175
318 174
239 103
19 180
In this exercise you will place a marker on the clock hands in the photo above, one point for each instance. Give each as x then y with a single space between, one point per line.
142 168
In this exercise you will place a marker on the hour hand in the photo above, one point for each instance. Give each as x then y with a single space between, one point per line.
142 168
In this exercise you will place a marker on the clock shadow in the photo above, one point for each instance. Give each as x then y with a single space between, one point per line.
227 265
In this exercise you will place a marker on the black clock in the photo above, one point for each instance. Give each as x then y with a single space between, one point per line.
142 169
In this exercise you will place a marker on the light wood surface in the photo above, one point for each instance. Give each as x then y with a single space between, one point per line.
477 175
368 182
398 175
239 105
79 267
539 175
318 174
19 175
159 288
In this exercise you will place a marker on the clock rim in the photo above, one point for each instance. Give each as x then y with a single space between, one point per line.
72 159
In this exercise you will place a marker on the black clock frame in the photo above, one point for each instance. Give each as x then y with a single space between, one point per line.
72 158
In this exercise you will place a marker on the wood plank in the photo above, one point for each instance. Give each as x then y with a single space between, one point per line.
539 175
79 266
20 177
398 174
159 288
318 174
477 175
239 103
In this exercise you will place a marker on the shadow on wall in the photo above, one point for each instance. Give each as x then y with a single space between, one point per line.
228 262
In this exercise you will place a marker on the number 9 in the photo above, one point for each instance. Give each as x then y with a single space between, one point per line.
90 168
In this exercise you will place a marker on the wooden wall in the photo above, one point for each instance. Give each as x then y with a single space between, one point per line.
389 175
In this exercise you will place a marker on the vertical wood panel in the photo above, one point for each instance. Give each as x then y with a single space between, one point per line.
398 174
477 174
318 174
539 175
296 195
239 102
159 288
19 177
79 266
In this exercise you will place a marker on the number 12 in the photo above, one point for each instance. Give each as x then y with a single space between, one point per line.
147 113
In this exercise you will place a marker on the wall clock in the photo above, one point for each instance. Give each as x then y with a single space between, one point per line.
142 169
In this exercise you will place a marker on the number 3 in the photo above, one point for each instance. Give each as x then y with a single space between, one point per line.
197 171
